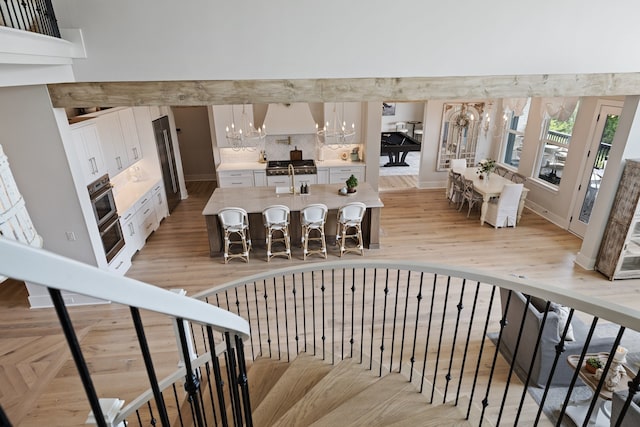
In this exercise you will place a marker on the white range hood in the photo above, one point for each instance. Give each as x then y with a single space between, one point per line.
289 119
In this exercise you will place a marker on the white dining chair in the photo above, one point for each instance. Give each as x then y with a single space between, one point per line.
469 195
458 164
503 211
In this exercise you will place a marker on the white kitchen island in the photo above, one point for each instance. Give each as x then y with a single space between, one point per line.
255 199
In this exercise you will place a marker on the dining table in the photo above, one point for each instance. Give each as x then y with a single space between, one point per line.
489 187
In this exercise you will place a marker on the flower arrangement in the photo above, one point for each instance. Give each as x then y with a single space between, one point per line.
486 166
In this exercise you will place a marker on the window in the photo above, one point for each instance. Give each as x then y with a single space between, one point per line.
555 138
515 119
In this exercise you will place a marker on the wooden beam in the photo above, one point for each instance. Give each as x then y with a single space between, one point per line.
221 92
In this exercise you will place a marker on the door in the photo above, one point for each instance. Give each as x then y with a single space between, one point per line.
606 125
164 144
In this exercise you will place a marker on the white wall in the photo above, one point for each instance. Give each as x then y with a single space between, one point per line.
169 40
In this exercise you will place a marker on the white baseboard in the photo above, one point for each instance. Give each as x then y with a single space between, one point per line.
588 263
543 212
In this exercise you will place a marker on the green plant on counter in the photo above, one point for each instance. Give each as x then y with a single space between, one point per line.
352 182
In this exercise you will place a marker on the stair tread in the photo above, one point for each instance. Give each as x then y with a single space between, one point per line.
346 379
263 374
367 409
303 374
434 416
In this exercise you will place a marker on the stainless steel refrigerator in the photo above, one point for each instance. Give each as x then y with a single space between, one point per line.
164 144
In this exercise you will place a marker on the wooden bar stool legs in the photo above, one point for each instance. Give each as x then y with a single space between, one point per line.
313 218
349 227
276 221
235 222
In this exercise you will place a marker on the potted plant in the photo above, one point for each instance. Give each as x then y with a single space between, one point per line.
352 183
592 365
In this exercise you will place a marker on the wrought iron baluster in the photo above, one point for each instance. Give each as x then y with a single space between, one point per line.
210 388
266 310
373 316
295 312
484 334
148 363
415 329
634 387
304 311
76 352
364 285
503 324
277 320
466 344
191 384
177 400
333 316
322 288
226 297
395 316
255 294
286 316
384 317
138 416
217 375
237 302
22 16
313 309
233 380
444 315
152 418
353 295
404 320
246 298
459 307
342 299
426 345
244 382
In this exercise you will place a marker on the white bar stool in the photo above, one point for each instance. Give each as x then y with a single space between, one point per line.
235 221
350 219
276 220
313 217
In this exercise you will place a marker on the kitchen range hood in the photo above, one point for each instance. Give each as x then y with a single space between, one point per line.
289 119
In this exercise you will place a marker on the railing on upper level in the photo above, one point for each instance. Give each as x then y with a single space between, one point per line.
452 332
561 139
29 15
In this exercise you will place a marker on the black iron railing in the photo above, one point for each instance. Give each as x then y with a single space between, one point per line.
29 15
443 329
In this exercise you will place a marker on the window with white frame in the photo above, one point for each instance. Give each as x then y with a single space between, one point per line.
555 138
515 116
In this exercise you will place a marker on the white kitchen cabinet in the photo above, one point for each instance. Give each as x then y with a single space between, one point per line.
339 174
323 175
120 263
130 135
113 146
147 215
285 181
235 178
131 230
89 151
260 178
160 200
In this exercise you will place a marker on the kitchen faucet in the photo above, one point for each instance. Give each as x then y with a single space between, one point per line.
292 174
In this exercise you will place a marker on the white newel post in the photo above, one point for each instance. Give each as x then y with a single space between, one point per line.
15 222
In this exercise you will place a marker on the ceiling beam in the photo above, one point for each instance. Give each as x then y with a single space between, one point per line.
221 92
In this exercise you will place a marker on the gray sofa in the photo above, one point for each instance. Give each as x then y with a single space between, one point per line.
632 416
550 337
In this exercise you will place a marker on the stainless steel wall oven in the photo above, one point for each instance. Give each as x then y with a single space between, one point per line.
104 209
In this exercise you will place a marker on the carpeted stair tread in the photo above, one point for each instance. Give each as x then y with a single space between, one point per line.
434 416
386 401
346 379
303 374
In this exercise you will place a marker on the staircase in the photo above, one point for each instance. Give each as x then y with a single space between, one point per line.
311 392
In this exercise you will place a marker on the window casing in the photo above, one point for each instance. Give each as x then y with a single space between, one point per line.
513 137
555 139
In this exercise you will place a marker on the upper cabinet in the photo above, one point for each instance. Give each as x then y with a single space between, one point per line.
88 148
119 138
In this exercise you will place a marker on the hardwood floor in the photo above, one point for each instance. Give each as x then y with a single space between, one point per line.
38 382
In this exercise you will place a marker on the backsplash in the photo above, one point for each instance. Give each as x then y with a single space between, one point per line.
280 151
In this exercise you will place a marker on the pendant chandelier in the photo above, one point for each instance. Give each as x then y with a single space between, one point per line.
335 131
242 135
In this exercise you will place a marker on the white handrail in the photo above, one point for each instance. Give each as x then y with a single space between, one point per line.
22 262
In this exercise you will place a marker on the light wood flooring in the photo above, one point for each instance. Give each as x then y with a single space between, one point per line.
38 384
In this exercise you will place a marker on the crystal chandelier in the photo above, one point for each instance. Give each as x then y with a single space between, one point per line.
335 131
242 135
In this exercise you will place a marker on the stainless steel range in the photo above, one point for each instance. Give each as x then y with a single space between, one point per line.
300 167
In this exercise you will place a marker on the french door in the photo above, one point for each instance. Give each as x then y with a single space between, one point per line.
595 163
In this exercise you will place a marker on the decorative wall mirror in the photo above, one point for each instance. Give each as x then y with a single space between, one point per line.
459 133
